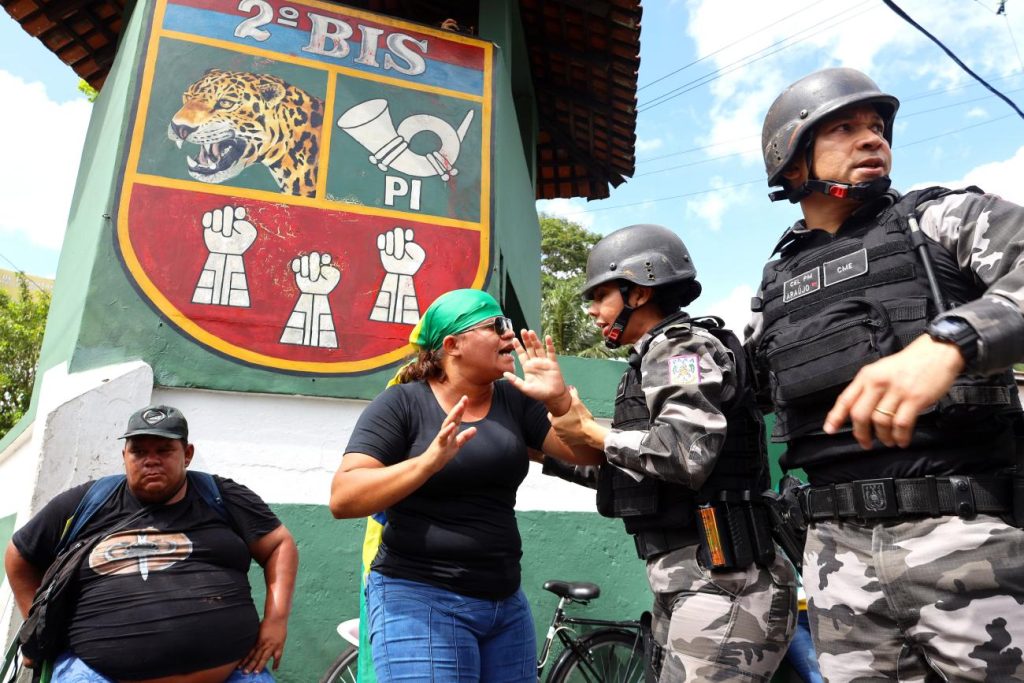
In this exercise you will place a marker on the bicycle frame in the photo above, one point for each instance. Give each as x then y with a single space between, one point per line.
560 623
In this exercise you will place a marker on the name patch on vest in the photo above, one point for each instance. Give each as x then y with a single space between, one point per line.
802 285
846 267
684 369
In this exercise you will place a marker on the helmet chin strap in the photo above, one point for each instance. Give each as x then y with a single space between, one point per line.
860 192
857 191
619 326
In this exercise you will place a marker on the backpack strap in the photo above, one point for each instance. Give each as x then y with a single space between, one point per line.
105 487
98 494
208 489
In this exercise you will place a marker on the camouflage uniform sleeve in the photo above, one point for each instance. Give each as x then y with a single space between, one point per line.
685 382
986 234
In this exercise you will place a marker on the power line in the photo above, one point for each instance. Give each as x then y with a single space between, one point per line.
665 199
972 84
741 153
23 274
1013 40
954 104
726 47
906 17
957 130
928 93
717 73
749 59
692 163
697 149
762 180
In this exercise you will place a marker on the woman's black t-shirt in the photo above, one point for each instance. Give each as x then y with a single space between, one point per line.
458 530
170 594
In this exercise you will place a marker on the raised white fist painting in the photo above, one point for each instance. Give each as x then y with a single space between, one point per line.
401 258
227 235
310 323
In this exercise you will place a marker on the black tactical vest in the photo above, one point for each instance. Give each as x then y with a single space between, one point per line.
651 504
832 306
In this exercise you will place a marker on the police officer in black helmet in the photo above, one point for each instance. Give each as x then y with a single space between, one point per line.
884 331
686 462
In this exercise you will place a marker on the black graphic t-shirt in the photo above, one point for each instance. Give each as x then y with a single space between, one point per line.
170 594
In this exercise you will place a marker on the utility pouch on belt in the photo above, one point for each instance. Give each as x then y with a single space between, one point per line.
731 537
788 523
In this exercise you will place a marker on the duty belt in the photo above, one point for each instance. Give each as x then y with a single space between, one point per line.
871 499
651 542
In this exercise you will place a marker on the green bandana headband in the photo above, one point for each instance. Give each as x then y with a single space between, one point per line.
451 313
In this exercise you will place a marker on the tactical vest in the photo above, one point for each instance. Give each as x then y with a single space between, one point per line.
651 504
831 309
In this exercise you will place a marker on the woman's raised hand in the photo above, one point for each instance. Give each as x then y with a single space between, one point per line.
542 378
449 439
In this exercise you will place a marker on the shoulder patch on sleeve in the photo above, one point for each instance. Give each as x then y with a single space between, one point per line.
684 369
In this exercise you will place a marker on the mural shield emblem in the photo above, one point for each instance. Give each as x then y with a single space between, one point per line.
301 180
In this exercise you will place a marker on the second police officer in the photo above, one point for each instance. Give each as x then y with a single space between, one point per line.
886 327
686 462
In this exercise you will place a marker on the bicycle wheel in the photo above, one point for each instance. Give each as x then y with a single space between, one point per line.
606 656
345 668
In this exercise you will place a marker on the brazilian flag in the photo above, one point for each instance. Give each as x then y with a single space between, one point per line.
371 541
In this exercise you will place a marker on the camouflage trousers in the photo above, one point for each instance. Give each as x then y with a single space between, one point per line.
925 600
725 626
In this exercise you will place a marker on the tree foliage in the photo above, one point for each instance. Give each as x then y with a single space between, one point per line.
22 321
565 246
90 92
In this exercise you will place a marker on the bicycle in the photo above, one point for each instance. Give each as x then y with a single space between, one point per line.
607 652
615 652
345 669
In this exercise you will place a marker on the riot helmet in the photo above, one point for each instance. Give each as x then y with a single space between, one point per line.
791 120
644 254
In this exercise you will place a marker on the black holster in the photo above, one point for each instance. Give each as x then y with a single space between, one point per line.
788 522
734 532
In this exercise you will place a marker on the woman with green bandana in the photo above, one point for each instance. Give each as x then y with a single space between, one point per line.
443 452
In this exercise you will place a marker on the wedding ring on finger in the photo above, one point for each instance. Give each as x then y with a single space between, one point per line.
883 411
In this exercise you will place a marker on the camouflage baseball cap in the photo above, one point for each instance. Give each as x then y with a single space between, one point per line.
162 421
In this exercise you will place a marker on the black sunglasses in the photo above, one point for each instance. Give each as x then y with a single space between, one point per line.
500 325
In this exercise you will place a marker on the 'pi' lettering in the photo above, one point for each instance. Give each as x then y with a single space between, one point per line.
395 187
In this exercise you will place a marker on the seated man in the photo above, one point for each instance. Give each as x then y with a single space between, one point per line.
166 599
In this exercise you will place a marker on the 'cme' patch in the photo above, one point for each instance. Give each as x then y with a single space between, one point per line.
684 369
846 267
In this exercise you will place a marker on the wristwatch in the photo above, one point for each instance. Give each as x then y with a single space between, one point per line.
955 331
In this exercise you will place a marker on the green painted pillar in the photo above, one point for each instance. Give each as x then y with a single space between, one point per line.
270 196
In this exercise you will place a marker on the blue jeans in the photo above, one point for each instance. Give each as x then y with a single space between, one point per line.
70 669
801 655
422 633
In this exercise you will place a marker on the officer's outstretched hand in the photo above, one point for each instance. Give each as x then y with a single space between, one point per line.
886 396
542 378
577 427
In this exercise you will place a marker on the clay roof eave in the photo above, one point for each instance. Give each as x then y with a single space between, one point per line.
584 56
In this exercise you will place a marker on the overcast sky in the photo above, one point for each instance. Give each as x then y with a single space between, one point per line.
709 71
